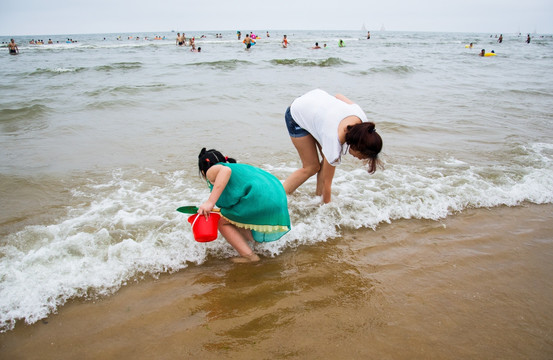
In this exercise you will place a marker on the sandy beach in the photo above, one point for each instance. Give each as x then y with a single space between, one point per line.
475 285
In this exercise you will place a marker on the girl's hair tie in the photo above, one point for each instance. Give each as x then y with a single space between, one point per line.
226 158
207 160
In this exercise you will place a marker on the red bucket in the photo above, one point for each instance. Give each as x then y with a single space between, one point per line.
204 230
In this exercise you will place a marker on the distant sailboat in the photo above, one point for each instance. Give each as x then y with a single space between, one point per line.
382 28
363 28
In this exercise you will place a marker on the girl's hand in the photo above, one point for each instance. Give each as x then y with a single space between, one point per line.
206 208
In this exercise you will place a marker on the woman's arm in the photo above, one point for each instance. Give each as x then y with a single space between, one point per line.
344 99
219 176
324 180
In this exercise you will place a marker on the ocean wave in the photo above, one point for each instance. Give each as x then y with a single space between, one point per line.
303 62
390 69
113 103
133 65
23 113
529 92
56 71
127 228
122 90
222 64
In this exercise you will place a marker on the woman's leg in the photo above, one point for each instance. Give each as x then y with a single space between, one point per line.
319 190
307 149
238 239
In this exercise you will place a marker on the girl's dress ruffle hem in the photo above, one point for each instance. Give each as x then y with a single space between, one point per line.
263 233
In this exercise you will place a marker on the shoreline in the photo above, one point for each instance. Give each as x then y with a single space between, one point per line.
476 285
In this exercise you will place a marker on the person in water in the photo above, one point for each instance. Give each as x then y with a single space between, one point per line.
252 201
284 42
12 47
332 125
248 41
180 39
316 46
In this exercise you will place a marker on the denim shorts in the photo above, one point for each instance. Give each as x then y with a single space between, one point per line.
293 128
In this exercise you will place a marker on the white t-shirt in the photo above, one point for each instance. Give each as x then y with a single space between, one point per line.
320 114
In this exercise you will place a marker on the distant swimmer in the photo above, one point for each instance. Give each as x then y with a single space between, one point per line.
368 35
500 40
248 41
341 43
316 46
12 47
284 42
180 39
528 39
484 53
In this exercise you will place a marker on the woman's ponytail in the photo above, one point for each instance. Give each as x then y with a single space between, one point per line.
363 138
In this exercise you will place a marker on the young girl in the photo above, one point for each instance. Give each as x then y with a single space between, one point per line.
253 202
334 125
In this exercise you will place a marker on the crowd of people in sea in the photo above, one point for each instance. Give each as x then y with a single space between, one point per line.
499 38
249 40
181 40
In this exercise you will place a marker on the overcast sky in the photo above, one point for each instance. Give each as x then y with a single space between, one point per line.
45 17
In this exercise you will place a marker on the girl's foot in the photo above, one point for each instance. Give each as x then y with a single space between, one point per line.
252 257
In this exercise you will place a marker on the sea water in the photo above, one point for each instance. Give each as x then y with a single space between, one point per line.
99 141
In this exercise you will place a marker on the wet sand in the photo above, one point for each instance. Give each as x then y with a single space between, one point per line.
477 285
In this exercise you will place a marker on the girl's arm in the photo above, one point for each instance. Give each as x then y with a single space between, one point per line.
344 99
219 176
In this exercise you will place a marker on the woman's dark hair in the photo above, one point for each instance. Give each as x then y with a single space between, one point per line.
364 139
208 158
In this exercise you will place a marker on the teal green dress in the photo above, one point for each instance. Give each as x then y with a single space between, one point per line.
254 199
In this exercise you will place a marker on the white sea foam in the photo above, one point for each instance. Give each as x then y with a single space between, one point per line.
130 228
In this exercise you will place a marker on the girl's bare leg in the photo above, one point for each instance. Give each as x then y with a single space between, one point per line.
238 239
